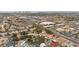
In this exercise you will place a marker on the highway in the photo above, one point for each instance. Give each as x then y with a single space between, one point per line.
75 40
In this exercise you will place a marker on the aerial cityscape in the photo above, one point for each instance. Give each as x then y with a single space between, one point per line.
39 29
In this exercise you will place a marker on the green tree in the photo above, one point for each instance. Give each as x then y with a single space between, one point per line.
15 39
49 32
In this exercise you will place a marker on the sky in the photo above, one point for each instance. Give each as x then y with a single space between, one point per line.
39 5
